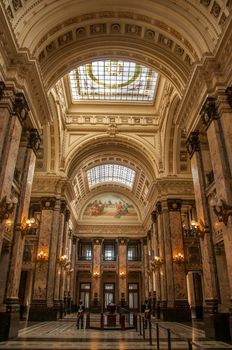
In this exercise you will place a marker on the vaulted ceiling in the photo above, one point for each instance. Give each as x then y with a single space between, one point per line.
172 37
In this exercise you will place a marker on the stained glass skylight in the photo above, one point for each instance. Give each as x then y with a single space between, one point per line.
111 173
113 81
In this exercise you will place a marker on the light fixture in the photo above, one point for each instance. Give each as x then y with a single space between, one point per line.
198 228
221 209
42 256
157 261
63 259
7 206
28 227
122 274
96 274
178 258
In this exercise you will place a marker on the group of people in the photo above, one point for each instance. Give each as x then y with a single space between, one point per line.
81 309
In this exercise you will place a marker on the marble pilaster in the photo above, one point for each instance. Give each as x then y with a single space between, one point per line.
218 129
122 267
145 269
199 161
96 273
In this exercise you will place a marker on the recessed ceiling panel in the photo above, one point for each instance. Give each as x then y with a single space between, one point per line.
113 81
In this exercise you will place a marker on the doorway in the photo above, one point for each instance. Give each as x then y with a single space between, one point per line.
85 292
133 296
109 294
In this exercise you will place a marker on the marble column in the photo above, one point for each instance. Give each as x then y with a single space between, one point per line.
42 307
26 164
177 308
13 113
58 293
199 164
96 273
145 270
122 270
216 114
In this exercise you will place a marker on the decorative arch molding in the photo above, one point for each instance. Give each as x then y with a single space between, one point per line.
153 56
87 147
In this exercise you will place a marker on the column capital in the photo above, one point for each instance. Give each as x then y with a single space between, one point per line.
193 143
174 204
48 203
67 215
154 216
63 206
20 107
97 241
229 95
34 140
209 111
122 241
2 88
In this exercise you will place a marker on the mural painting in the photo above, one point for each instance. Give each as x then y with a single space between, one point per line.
110 206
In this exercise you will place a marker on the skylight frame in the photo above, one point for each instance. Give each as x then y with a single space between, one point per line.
111 173
113 81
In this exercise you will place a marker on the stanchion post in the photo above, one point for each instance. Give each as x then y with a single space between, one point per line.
102 321
190 347
140 325
169 339
143 328
150 332
87 320
157 337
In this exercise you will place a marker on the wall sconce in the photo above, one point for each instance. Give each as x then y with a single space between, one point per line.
63 259
199 228
42 256
7 206
221 209
96 274
122 274
178 258
28 227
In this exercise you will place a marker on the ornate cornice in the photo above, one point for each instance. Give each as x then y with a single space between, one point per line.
193 143
209 111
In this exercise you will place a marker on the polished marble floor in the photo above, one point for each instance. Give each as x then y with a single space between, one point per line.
64 335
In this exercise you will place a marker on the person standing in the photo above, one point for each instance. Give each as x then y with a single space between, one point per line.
80 314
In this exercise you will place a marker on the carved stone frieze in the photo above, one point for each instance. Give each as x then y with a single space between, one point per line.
209 111
193 143
112 230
